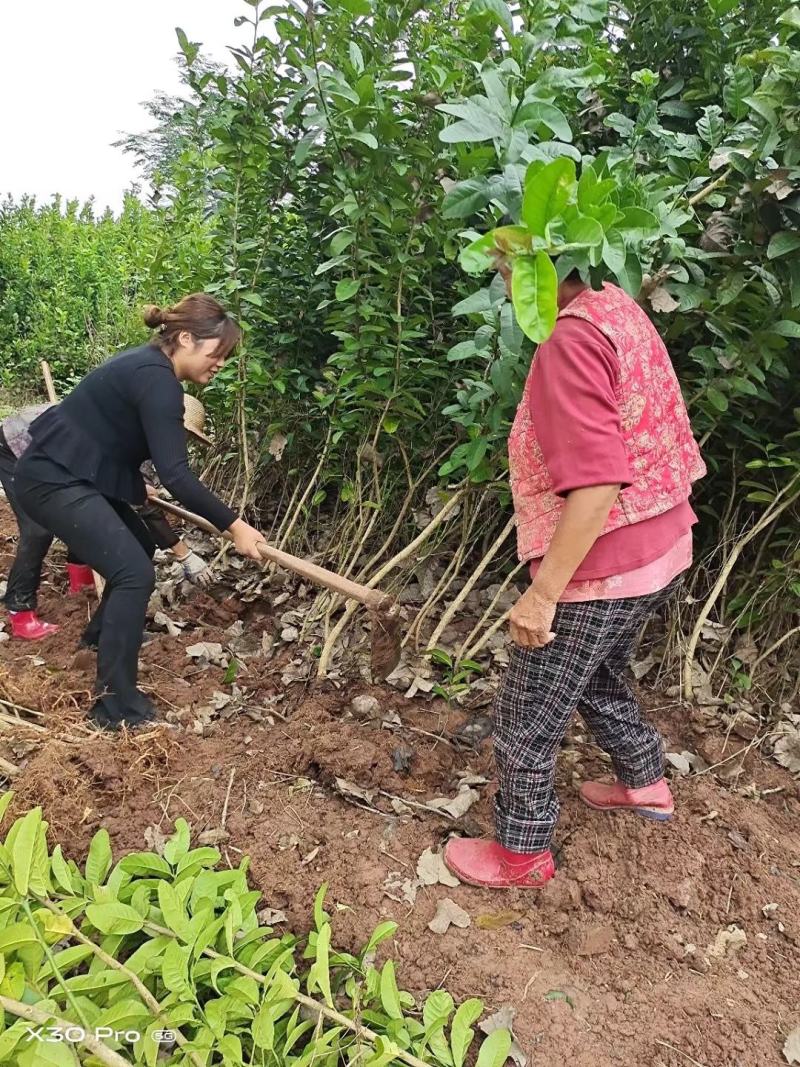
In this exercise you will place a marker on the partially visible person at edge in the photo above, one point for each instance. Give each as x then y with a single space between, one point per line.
25 575
602 461
80 479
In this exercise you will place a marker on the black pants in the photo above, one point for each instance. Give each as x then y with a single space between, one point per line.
111 538
34 543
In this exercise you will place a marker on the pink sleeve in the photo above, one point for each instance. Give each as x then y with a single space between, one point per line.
575 411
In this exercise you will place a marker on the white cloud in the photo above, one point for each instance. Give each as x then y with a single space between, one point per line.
73 74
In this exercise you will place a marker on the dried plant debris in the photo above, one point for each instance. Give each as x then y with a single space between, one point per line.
448 914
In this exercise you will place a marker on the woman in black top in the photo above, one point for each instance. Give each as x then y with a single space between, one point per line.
80 476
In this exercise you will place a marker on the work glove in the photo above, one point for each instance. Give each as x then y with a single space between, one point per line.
196 570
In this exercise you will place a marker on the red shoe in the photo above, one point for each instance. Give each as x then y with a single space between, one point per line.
487 863
28 626
80 578
652 801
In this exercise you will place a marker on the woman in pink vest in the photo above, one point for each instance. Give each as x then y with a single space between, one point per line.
602 462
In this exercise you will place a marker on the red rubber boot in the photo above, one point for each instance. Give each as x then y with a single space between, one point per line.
80 578
29 627
652 801
488 863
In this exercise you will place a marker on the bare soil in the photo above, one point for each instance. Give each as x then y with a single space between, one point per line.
608 965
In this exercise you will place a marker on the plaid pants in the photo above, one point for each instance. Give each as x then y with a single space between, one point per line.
584 668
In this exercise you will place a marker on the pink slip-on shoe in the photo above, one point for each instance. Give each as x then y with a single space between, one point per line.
651 801
487 863
28 626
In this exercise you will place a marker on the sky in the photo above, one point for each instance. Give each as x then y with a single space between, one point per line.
73 76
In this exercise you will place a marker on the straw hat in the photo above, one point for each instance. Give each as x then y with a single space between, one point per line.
194 418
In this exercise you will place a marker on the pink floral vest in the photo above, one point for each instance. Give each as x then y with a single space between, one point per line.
663 455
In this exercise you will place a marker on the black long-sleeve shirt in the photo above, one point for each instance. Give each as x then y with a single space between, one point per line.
126 411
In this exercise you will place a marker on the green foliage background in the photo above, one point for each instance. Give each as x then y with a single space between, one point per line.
325 185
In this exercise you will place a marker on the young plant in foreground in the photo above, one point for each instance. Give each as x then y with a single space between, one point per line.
160 958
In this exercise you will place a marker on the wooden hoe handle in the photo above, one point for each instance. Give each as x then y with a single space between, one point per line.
372 598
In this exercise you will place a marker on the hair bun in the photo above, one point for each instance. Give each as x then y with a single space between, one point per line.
154 316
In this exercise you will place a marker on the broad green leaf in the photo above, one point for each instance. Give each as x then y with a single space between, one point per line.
40 867
534 292
175 967
731 286
390 995
347 288
463 350
13 983
582 230
592 193
630 275
546 151
537 112
474 453
638 223
16 936
244 989
736 90
173 910
356 57
476 122
474 304
5 800
61 871
47 1054
319 976
786 328
589 11
65 960
763 108
781 244
365 138
145 865
547 193
620 123
54 927
478 257
127 1014
114 918
495 1049
341 240
512 239
791 17
178 845
355 7
497 10
711 127
614 251
461 1032
264 1027
466 198
23 852
329 264
206 857
381 933
98 862
304 146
